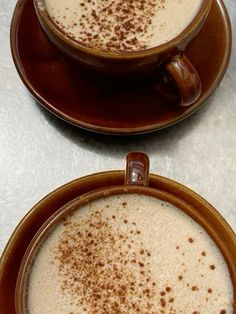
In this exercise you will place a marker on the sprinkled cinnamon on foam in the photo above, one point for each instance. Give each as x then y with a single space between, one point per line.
122 25
108 273
92 263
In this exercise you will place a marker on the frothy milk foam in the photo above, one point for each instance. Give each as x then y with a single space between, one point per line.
122 25
129 254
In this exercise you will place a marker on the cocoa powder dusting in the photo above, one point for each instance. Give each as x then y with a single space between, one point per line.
100 270
105 267
114 25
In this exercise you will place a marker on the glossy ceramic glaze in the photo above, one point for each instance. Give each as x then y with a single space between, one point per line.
66 90
142 63
136 180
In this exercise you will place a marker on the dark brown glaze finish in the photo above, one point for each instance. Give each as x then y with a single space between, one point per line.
137 62
27 228
137 169
186 78
106 106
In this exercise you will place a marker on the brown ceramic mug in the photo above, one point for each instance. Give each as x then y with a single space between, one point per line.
167 60
136 181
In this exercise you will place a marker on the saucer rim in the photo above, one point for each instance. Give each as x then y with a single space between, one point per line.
149 128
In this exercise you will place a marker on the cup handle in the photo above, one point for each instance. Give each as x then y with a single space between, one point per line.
137 169
185 77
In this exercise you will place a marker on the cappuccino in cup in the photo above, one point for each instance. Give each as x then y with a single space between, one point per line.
122 25
129 253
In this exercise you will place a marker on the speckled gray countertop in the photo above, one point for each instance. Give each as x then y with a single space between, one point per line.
39 152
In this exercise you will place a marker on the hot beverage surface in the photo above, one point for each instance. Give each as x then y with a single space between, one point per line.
129 254
118 25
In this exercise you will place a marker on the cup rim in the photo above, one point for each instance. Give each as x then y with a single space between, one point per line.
48 23
187 207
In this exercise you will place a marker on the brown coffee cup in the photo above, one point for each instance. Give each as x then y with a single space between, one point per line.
167 60
136 181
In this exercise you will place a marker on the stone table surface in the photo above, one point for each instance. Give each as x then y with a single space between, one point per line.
39 152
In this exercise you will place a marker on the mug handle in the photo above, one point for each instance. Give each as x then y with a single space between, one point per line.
137 169
185 77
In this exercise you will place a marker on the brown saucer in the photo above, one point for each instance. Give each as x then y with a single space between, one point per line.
23 234
70 94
